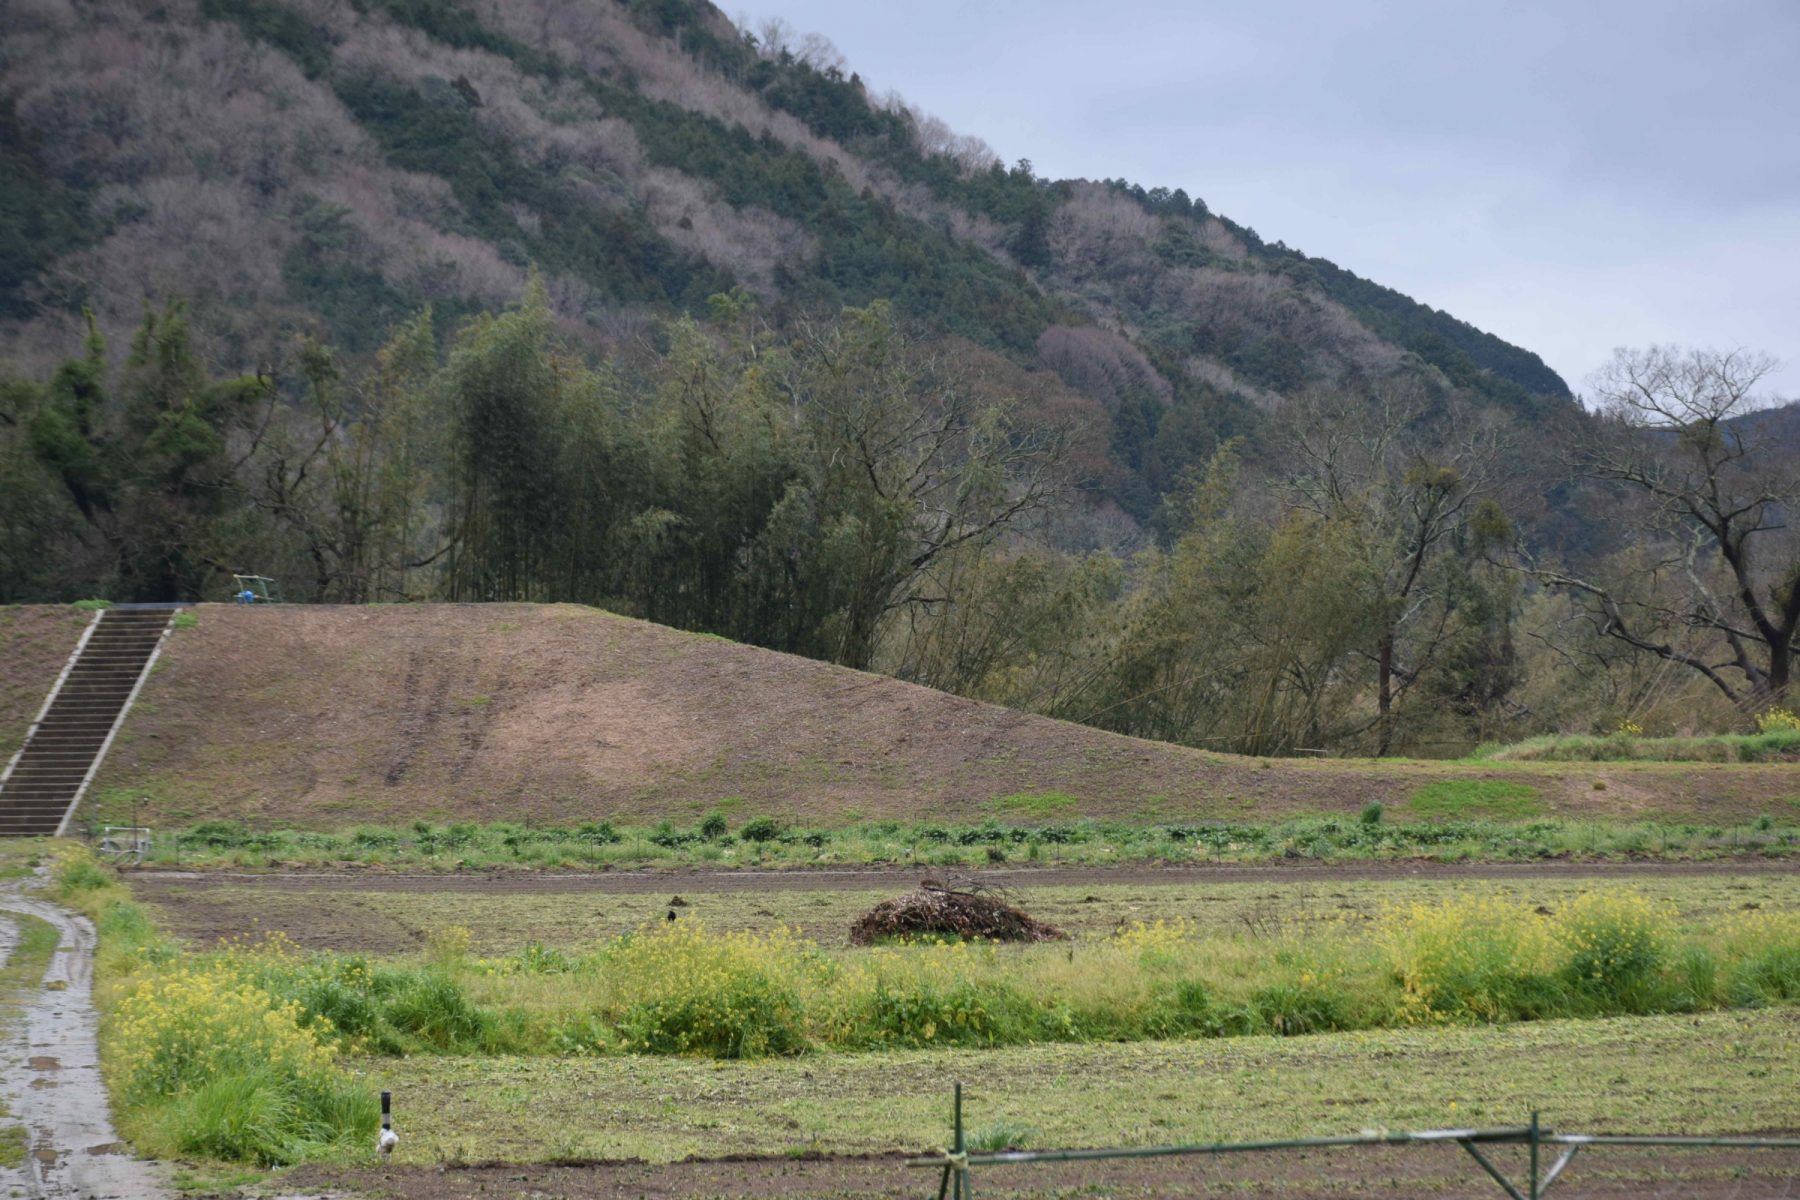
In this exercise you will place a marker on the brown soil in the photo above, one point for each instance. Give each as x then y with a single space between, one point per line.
204 907
322 717
149 880
1293 1175
35 642
358 924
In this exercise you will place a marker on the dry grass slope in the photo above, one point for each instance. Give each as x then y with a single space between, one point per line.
332 716
35 642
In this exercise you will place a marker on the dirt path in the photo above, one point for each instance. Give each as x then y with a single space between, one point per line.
813 879
51 1076
1437 1172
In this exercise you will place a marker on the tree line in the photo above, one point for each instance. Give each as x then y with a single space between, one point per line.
1366 578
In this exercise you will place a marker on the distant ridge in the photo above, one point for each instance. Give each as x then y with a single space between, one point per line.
291 165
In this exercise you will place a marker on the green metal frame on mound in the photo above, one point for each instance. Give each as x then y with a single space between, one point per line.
957 1162
260 586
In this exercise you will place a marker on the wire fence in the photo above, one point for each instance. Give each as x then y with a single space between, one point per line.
1548 1152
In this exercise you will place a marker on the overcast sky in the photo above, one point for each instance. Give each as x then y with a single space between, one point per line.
1572 175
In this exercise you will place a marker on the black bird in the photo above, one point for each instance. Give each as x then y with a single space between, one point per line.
671 914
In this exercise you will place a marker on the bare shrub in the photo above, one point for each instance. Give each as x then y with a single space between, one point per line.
1099 363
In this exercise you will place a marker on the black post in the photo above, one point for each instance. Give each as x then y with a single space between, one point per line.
960 1148
1534 1154
387 1109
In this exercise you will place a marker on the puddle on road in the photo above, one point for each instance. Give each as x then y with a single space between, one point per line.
41 1062
41 1084
110 1148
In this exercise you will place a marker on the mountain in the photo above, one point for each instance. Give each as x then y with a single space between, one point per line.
331 166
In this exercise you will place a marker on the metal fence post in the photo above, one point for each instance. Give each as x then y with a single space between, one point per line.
957 1162
955 1125
1534 1154
960 1148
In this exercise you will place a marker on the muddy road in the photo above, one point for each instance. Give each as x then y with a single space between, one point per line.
51 1075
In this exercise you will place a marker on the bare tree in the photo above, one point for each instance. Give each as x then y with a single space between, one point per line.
1718 587
1403 494
918 454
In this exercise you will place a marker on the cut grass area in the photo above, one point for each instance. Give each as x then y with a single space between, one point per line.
1476 798
401 921
1716 1073
1774 746
1036 806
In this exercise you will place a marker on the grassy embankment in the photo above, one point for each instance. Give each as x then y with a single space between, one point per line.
324 717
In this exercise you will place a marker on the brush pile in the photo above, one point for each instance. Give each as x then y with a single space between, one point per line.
935 909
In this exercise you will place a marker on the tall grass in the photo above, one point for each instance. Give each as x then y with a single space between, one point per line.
200 1057
206 1063
1484 959
185 1032
1775 744
685 990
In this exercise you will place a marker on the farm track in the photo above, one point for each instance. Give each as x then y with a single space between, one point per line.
51 1075
148 881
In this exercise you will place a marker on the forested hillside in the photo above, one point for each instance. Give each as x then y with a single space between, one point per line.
614 302
332 167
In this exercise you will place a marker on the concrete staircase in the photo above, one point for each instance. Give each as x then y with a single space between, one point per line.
63 750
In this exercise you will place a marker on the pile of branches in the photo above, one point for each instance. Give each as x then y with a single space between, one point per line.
945 910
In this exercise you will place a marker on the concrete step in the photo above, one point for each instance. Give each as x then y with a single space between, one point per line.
62 748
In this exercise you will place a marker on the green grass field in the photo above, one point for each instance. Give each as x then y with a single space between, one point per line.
1700 1071
1443 820
1714 1073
